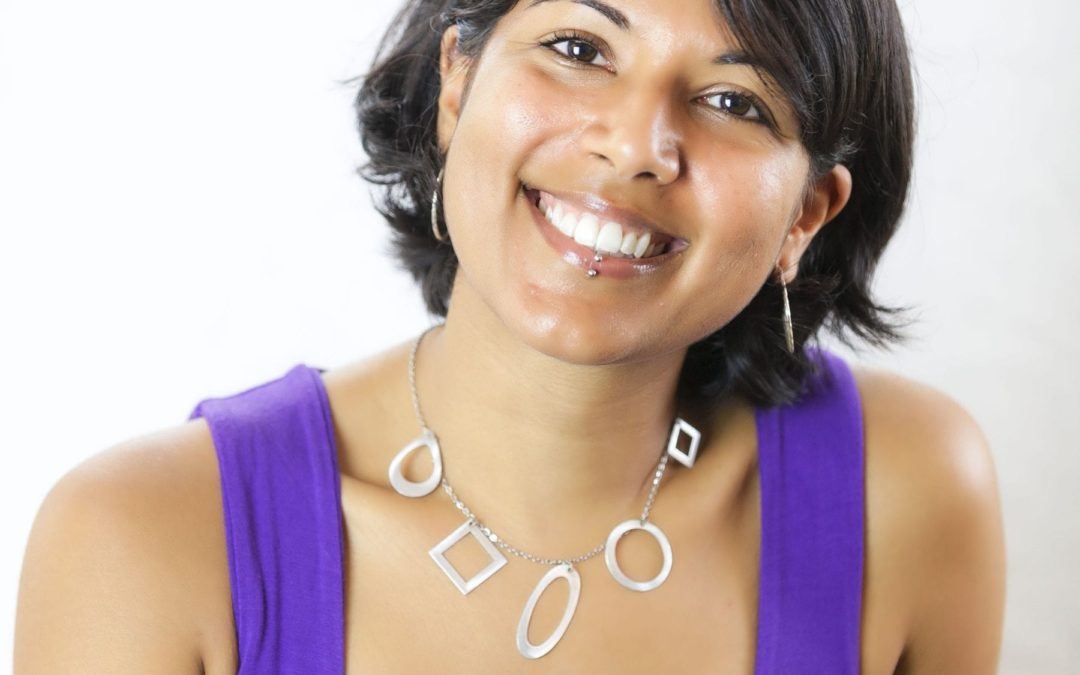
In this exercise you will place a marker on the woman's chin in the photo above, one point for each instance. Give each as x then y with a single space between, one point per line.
583 342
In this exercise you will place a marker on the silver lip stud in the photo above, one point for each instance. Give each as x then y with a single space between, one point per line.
592 272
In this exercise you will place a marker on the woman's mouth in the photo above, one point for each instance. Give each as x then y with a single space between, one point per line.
584 228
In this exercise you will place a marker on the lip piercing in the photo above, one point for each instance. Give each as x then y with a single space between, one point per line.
592 273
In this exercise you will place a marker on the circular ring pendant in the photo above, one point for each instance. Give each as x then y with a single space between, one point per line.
409 488
613 564
528 649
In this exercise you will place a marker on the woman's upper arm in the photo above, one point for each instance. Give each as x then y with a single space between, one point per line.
116 563
933 499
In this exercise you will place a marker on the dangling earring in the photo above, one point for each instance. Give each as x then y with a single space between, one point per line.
789 333
440 237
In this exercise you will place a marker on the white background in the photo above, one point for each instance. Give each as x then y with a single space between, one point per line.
179 218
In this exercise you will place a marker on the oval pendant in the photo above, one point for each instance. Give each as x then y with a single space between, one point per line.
528 649
409 488
613 564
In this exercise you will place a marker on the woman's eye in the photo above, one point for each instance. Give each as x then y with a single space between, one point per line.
579 50
734 103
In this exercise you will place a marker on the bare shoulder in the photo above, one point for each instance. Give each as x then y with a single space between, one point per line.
935 547
126 569
925 436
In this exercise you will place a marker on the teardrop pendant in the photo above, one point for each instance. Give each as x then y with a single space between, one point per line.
409 488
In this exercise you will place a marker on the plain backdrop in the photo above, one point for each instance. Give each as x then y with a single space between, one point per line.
180 218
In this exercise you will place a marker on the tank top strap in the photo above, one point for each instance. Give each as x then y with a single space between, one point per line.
811 464
281 494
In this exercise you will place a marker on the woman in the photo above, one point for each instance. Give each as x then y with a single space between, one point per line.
635 215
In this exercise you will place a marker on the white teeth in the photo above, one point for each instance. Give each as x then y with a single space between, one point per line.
610 238
643 245
588 228
567 224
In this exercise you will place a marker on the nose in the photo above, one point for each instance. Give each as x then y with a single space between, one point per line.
636 135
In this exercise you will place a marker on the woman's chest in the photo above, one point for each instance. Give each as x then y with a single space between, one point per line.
406 619
405 615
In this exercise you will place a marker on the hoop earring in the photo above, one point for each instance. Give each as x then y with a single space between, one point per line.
439 237
789 333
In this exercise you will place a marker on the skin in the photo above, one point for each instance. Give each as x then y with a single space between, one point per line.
552 395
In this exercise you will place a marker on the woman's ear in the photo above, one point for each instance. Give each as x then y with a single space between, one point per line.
452 76
823 201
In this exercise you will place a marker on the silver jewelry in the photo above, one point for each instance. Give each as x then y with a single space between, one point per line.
492 543
613 565
592 272
687 457
467 585
563 571
789 334
407 487
439 236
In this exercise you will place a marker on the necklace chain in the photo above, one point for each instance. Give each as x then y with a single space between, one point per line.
658 476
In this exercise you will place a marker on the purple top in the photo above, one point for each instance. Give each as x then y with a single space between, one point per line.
281 491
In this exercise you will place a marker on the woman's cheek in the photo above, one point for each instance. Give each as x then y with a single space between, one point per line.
781 181
512 106
765 192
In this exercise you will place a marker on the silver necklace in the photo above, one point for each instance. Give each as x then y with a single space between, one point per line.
564 568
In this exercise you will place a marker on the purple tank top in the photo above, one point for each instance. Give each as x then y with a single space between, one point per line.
281 491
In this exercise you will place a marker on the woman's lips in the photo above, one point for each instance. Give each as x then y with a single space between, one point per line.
583 257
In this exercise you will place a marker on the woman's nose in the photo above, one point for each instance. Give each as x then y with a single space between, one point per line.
636 135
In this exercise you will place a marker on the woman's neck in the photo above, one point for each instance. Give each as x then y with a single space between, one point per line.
541 449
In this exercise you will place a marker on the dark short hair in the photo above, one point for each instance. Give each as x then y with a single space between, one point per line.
844 66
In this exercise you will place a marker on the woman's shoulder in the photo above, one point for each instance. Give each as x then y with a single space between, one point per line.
924 434
126 568
935 552
922 446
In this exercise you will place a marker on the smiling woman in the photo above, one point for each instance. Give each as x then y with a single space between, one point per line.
735 116
636 217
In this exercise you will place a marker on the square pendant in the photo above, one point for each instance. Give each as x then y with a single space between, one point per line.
680 427
466 585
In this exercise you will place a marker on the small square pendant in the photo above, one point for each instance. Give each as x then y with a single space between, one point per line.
467 585
680 427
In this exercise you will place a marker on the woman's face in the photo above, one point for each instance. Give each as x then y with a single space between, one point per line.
587 126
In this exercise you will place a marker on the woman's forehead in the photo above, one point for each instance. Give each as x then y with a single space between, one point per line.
642 17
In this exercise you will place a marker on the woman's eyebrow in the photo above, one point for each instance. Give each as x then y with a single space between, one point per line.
615 16
736 59
761 69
